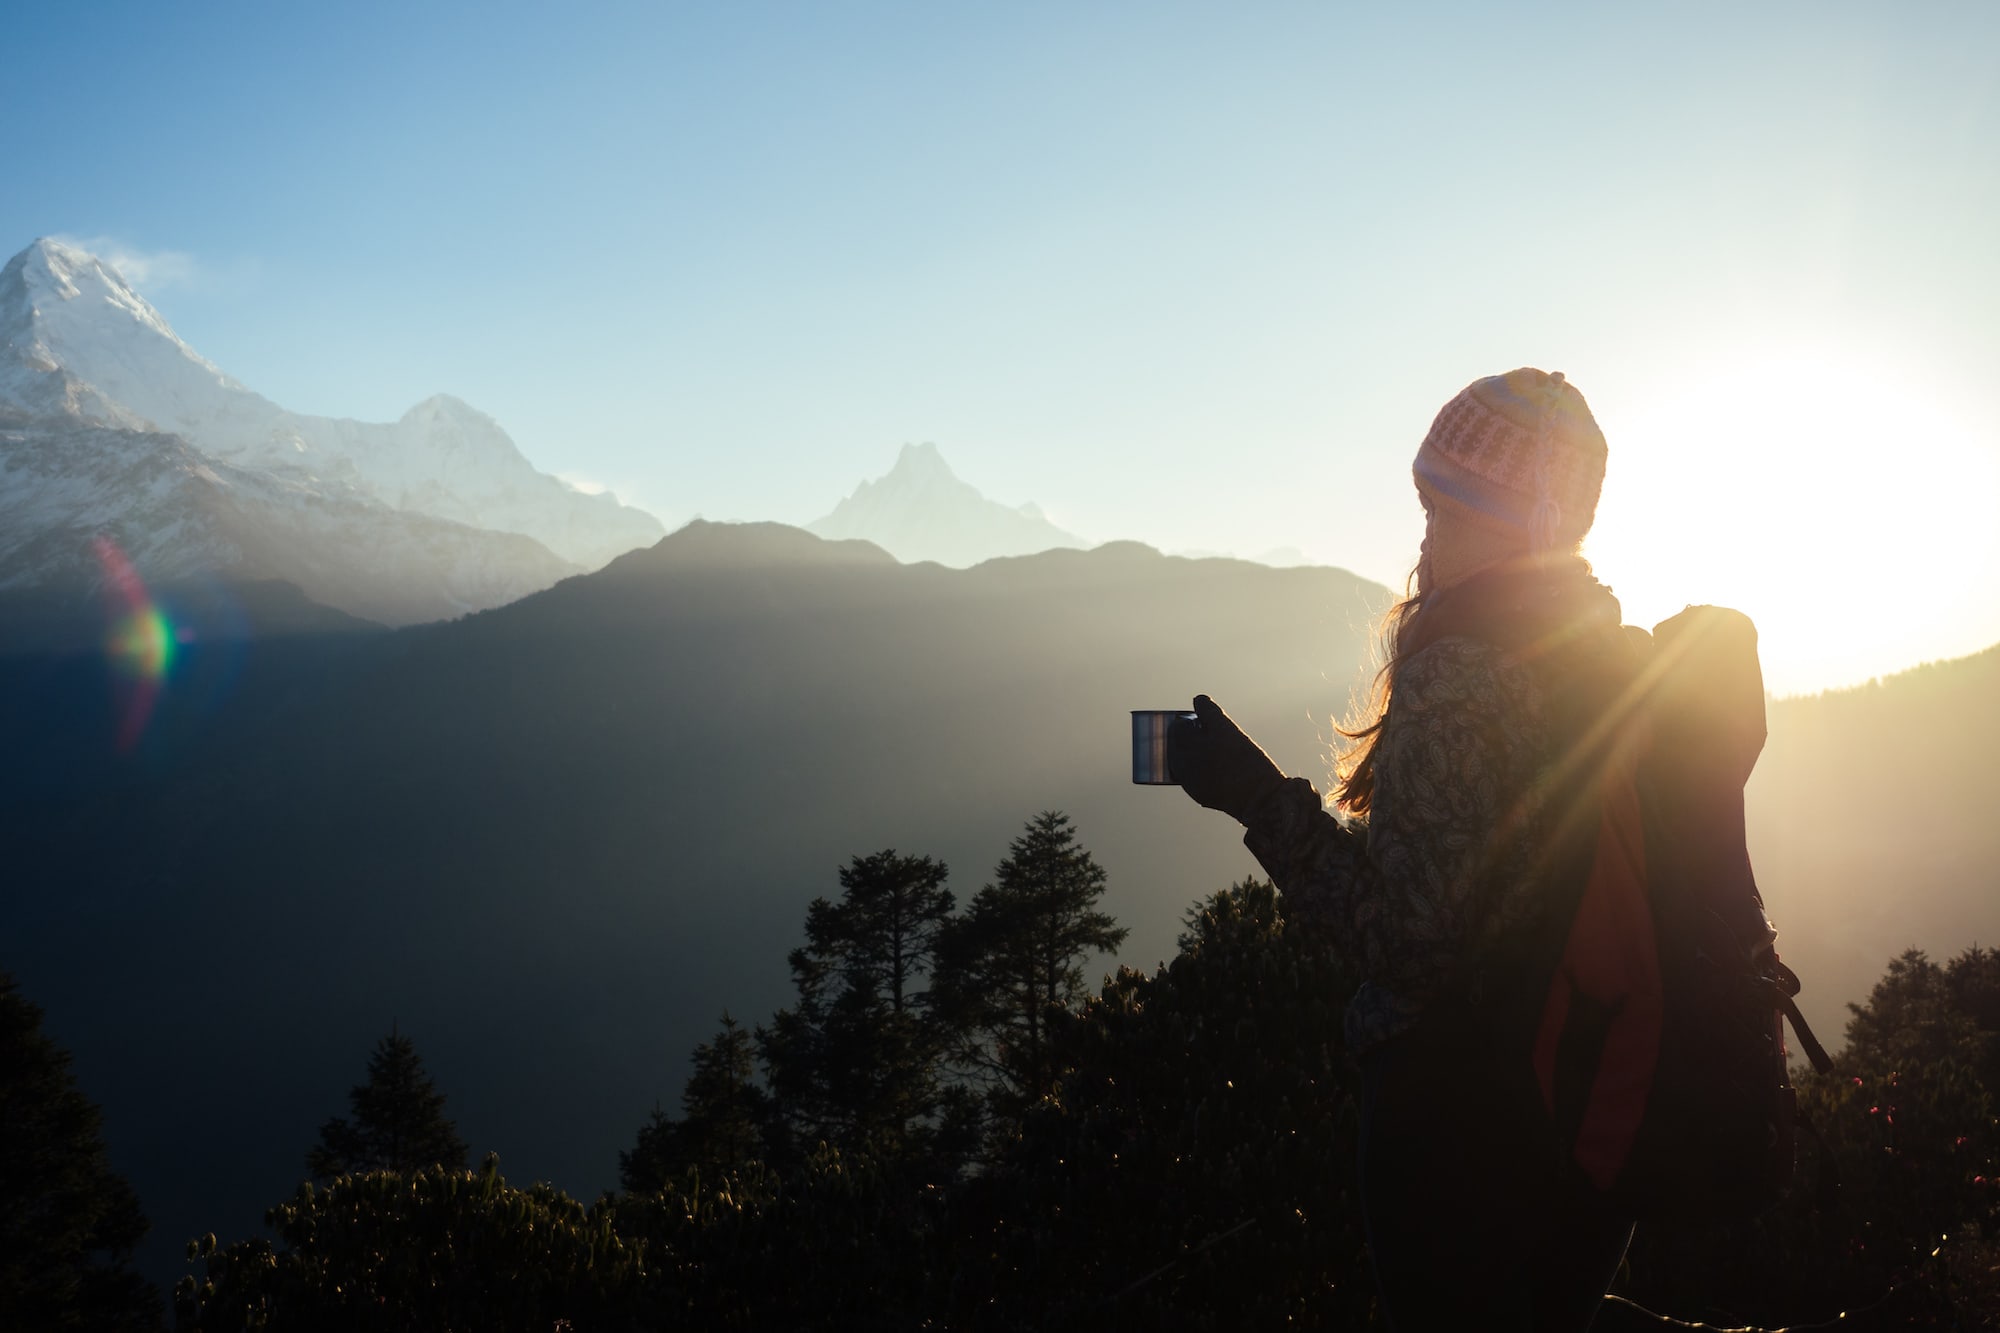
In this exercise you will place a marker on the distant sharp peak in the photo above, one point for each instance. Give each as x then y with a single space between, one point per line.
920 469
921 510
443 417
57 262
445 406
55 269
922 461
62 290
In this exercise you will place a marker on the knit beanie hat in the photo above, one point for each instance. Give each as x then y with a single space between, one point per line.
1518 451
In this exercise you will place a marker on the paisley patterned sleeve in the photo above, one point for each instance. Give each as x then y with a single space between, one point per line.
1396 897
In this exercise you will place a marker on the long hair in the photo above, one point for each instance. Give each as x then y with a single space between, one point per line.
1354 766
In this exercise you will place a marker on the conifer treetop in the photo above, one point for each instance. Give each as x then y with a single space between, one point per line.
398 1121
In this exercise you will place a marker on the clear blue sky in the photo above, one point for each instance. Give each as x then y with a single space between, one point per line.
1193 274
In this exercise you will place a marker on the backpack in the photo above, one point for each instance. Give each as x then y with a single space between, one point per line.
1634 1021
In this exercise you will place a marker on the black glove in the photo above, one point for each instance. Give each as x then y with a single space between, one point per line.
1217 764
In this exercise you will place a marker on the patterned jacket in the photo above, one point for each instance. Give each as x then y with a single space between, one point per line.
1497 675
1430 874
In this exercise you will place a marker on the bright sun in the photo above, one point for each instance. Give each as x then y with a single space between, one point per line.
1849 512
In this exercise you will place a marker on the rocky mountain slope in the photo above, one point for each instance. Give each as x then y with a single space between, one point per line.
177 515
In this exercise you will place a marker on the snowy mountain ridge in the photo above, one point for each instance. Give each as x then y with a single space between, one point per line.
180 516
76 339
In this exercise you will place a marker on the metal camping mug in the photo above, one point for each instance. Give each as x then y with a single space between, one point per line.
1149 745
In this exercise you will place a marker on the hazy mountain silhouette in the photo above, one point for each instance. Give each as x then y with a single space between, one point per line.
554 840
921 510
1872 823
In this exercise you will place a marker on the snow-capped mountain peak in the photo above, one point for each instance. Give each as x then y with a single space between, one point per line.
77 303
921 462
77 340
921 510
443 406
456 426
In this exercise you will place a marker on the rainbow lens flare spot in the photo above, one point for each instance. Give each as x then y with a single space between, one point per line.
144 644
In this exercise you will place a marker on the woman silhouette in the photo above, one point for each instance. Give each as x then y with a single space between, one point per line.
1448 790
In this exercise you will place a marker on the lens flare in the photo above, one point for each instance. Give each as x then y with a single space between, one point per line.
141 644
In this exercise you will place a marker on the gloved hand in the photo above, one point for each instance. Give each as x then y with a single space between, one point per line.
1217 764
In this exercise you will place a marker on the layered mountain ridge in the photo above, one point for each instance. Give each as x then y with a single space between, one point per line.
111 424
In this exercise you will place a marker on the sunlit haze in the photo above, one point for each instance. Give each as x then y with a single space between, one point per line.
1197 276
1843 498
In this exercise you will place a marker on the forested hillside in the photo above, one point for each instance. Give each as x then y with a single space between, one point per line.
1873 828
558 839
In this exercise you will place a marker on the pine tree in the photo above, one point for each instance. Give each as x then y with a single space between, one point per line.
1019 951
795 1046
854 1061
1920 1013
69 1223
1911 1018
399 1122
724 1118
891 911
655 1159
1973 980
722 1105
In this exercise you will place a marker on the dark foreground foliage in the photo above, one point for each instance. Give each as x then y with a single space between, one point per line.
67 1221
440 1248
1907 1239
1190 1168
1194 1169
398 1120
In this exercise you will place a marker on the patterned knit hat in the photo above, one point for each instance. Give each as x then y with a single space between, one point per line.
1518 451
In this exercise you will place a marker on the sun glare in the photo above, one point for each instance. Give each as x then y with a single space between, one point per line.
1846 510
